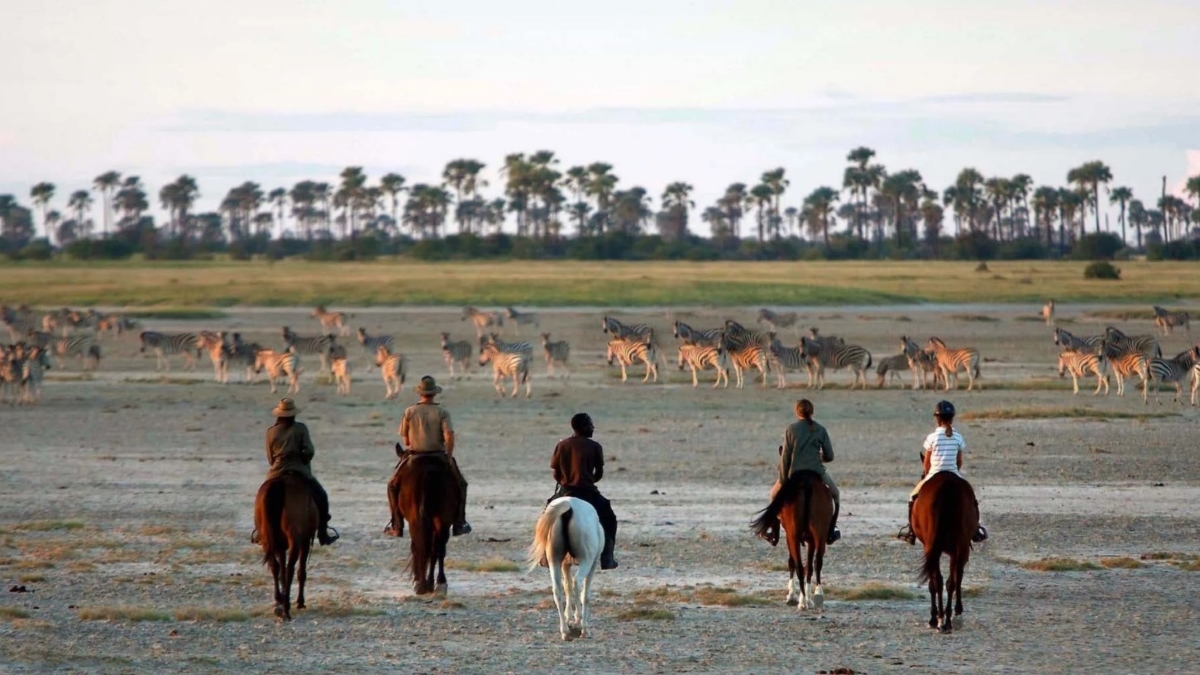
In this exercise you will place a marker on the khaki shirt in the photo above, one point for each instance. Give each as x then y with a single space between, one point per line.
425 428
804 450
289 448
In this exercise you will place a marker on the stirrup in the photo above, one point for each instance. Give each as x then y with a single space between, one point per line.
254 539
771 536
460 529
327 536
980 535
834 535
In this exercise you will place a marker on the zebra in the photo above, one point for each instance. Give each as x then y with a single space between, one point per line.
1126 365
950 361
39 338
318 345
65 320
701 357
737 335
706 337
1091 343
556 352
11 371
244 353
778 320
1116 342
506 347
519 319
340 368
278 365
163 344
1167 320
621 330
372 343
1080 364
112 323
783 359
889 368
35 363
75 345
1048 312
1174 370
91 361
218 353
392 369
626 352
331 322
507 364
745 356
456 352
482 320
921 362
19 321
828 354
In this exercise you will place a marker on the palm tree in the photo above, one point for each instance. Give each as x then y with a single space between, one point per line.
131 200
1045 206
673 219
733 201
106 184
1121 195
601 185
999 192
1020 185
1192 187
278 199
1138 216
790 216
775 181
463 176
860 178
323 193
760 198
177 198
1070 203
80 203
932 215
392 185
965 196
349 194
1087 177
901 193
819 204
41 194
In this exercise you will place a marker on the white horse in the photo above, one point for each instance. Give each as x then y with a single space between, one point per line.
568 532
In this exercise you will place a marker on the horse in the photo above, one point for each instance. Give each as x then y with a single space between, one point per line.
945 517
567 532
429 498
804 506
286 517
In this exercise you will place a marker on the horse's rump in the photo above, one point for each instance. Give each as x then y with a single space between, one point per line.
429 499
799 490
944 518
284 508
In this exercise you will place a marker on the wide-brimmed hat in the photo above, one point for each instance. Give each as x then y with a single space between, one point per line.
286 408
428 387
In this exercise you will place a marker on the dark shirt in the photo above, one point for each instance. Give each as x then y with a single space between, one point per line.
804 449
578 462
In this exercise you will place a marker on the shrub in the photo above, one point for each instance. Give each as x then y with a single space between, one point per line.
1102 246
1102 270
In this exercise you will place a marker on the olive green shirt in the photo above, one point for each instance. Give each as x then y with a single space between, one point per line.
804 450
425 428
289 448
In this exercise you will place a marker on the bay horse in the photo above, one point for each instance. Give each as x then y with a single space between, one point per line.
429 498
804 506
569 532
286 517
944 518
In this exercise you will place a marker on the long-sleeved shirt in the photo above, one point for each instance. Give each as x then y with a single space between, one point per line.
578 462
289 448
804 449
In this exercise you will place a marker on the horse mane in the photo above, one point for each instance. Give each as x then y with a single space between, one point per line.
791 489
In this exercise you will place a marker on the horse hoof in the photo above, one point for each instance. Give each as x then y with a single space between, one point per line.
300 605
279 611
792 602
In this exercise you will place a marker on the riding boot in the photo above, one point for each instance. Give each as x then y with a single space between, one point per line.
607 561
325 534
396 527
907 533
461 526
981 533
834 532
771 534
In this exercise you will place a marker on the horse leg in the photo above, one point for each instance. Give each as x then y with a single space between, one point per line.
558 582
814 602
943 589
818 594
935 590
293 557
960 565
792 595
585 590
440 588
277 568
302 575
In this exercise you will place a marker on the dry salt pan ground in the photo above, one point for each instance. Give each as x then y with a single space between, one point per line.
128 496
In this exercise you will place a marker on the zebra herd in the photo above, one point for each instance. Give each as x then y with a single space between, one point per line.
35 337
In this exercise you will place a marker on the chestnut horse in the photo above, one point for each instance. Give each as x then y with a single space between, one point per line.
429 497
286 517
804 506
944 518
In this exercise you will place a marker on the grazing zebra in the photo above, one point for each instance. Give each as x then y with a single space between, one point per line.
828 354
372 343
506 347
1167 320
1128 365
507 364
737 335
701 357
339 366
555 352
778 320
162 344
745 356
950 361
921 362
75 345
1080 364
519 319
482 320
627 352
35 363
318 345
244 353
1173 370
692 336
623 330
782 359
391 368
331 322
1048 312
1116 342
456 352
890 369
279 365
1091 343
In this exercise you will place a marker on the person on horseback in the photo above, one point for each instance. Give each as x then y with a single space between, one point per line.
806 447
290 450
943 451
425 428
578 464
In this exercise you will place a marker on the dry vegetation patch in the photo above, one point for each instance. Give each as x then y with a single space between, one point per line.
1060 564
45 526
122 613
489 565
871 591
217 614
10 613
646 614
1122 563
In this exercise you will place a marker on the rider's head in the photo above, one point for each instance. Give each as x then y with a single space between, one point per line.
804 410
582 424
943 412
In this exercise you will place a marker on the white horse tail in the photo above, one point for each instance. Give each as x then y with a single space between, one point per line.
543 531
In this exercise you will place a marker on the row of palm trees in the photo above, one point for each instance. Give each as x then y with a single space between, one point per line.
541 198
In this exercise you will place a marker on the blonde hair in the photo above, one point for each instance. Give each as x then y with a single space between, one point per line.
804 410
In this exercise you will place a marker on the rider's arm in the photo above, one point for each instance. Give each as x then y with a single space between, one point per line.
306 446
598 473
925 460
404 423
785 458
826 447
448 434
958 459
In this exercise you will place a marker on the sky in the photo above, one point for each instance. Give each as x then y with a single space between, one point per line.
704 91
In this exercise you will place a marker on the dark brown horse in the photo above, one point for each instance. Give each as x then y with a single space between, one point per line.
286 517
804 506
429 497
944 518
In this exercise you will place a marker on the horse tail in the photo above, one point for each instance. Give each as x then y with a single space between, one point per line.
787 493
271 498
543 531
806 489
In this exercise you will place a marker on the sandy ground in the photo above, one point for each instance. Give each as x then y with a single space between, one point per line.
129 491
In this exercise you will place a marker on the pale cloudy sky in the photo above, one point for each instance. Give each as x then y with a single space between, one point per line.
705 91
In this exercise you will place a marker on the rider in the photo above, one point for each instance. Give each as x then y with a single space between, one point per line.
578 464
943 452
426 428
806 447
290 450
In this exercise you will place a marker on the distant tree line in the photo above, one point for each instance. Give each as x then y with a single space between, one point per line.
583 212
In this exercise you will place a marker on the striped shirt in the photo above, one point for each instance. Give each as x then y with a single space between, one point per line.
943 451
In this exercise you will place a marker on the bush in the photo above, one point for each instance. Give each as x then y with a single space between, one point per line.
1172 250
38 249
1102 246
1102 270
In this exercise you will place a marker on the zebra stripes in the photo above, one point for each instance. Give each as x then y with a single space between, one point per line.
244 354
744 356
555 352
737 335
36 362
19 321
950 361
372 343
391 368
318 346
331 322
1167 320
482 320
81 346
279 365
701 357
1128 365
890 368
218 353
778 320
628 352
1080 364
506 347
1091 343
519 319
1116 342
507 364
456 353
783 359
921 362
339 367
625 331
828 354
163 345
707 337
1173 371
